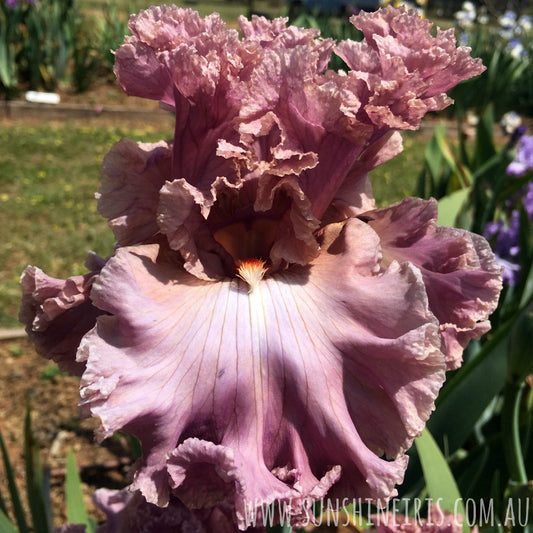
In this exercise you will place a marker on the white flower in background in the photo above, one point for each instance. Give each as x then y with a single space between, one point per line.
524 24
482 16
469 7
510 121
516 48
465 19
507 20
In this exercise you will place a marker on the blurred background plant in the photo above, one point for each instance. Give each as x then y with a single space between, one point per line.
35 515
505 44
48 43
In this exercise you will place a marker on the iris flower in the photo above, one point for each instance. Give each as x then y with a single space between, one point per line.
523 162
263 329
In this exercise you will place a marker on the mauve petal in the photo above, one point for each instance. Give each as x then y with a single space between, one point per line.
273 34
129 512
140 73
58 313
406 69
182 214
461 274
355 195
132 176
309 112
271 394
264 114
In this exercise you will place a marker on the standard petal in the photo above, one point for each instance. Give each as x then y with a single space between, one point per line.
407 70
132 175
271 394
461 274
263 114
58 313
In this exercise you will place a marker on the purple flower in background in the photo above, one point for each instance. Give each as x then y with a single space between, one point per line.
524 157
528 200
263 329
508 20
13 3
505 239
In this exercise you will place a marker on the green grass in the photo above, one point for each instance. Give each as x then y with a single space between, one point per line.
48 177
48 216
229 10
397 178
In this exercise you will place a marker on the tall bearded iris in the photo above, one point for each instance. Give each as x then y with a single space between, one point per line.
262 328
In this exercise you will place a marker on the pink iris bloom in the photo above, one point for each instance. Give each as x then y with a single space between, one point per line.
262 328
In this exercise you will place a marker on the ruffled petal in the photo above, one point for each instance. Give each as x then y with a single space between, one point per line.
407 70
132 175
58 313
140 73
262 114
296 390
462 277
129 512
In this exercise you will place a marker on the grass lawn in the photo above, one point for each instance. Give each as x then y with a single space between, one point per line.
48 216
229 10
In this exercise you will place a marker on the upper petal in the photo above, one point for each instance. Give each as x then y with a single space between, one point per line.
407 70
262 113
132 175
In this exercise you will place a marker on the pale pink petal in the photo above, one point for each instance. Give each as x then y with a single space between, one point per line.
407 70
57 313
132 175
355 195
182 217
140 73
462 277
267 395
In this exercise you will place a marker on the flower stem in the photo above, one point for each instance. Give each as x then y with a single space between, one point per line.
511 432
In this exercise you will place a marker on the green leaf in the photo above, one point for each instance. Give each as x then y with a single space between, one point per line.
440 482
450 206
484 149
433 153
464 398
13 490
35 487
3 507
76 511
6 526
